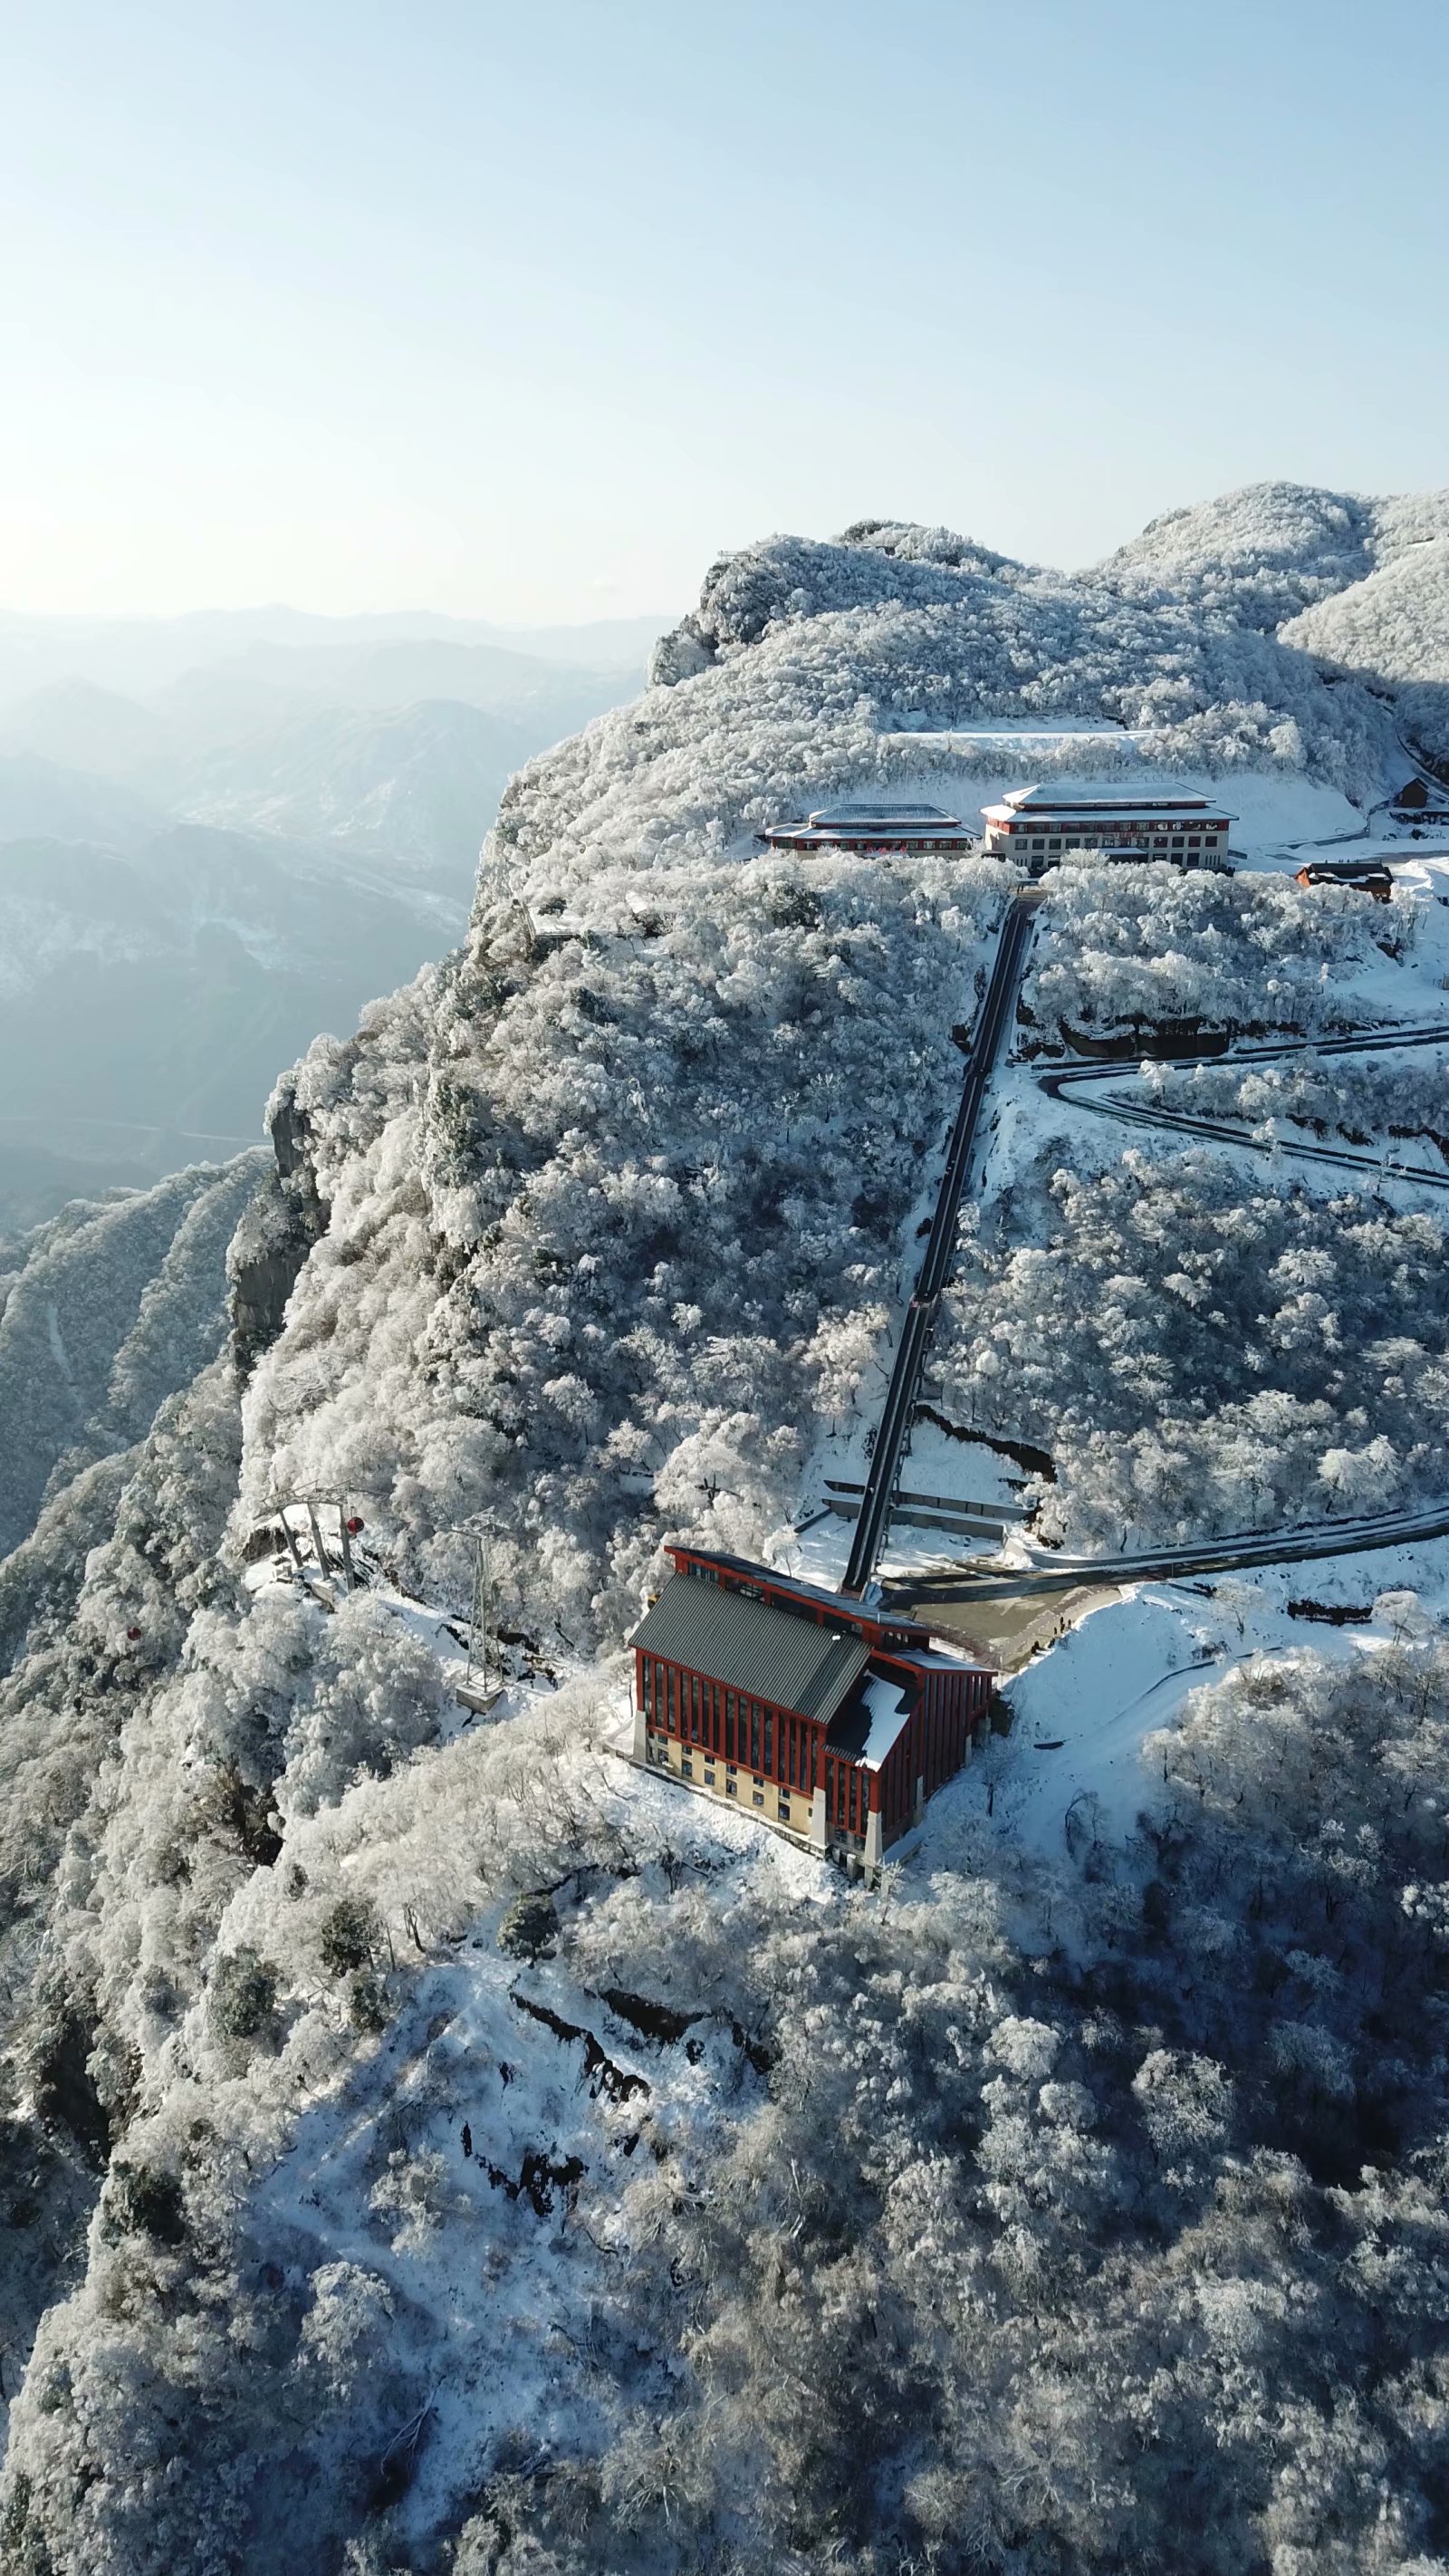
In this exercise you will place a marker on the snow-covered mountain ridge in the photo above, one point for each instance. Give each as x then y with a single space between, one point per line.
708 2214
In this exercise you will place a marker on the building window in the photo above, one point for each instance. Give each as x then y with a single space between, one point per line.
754 1735
784 1811
694 1707
732 1788
729 1726
759 1797
769 1762
708 1776
686 1766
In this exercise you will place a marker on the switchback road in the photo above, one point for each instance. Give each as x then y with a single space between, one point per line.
1056 1572
1088 1087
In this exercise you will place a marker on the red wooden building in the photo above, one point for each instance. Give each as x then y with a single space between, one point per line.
832 1721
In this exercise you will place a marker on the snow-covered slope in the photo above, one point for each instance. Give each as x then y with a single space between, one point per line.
195 880
104 1312
150 999
430 2138
41 801
1393 627
776 694
1259 556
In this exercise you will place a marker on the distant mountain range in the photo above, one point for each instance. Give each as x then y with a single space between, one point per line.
221 833
139 655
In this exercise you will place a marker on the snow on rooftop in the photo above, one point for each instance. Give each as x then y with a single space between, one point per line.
1107 801
830 814
888 1709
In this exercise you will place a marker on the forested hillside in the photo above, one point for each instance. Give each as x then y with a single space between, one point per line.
432 2148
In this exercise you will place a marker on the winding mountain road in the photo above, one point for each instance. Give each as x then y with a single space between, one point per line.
1076 1085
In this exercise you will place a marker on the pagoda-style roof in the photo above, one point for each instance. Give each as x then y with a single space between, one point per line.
877 817
1091 804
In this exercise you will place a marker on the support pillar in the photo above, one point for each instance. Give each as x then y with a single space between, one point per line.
817 1823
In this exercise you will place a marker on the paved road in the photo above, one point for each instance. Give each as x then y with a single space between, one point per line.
1058 1573
1055 1572
997 1016
1078 1083
1052 1572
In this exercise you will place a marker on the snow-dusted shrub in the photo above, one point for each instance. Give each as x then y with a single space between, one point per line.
1199 1353
350 1935
1258 556
376 1696
1363 1100
243 1996
582 1288
1127 948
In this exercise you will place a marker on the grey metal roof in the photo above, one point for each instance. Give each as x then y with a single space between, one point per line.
750 1647
881 814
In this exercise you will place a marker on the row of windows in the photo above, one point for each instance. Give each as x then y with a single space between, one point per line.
870 849
746 1731
1125 840
783 1809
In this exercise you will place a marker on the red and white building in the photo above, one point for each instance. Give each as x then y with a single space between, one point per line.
1035 827
833 1723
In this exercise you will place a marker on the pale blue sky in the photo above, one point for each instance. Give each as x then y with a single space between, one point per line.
527 313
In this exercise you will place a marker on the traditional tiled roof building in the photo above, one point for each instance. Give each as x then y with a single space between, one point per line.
881 830
1036 826
832 1722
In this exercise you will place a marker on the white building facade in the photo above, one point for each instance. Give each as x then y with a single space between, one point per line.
1035 828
